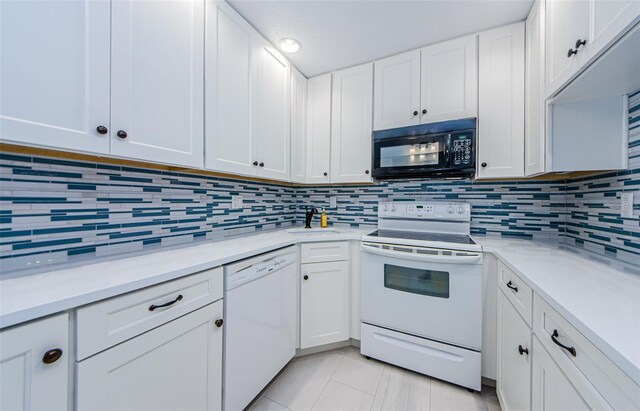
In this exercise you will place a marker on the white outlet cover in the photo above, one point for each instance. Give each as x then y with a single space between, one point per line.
236 202
626 204
333 202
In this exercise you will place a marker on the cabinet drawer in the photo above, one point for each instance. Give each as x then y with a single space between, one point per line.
618 389
109 322
321 252
520 294
177 366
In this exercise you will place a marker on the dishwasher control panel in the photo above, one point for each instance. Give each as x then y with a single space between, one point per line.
258 269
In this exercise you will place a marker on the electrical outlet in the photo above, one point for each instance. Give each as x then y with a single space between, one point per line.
236 202
333 202
626 204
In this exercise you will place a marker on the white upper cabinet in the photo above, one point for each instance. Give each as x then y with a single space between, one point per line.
397 91
501 102
567 21
351 121
34 365
578 31
319 129
298 126
273 115
157 81
609 19
449 80
247 118
230 90
535 110
54 73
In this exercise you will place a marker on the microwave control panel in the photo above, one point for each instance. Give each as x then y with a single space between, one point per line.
462 149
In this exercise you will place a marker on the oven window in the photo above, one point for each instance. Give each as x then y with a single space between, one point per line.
422 154
417 281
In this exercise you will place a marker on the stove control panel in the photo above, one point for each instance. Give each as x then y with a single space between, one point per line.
425 210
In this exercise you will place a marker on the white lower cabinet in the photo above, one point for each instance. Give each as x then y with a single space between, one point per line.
34 365
550 365
514 357
177 366
324 301
553 390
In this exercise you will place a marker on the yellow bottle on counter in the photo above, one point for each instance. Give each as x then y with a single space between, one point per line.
323 219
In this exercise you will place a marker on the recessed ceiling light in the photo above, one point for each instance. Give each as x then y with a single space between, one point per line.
290 45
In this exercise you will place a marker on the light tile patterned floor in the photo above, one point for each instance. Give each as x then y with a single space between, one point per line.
343 380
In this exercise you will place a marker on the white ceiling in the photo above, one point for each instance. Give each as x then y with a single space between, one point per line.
341 33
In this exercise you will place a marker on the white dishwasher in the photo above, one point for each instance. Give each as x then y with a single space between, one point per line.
260 323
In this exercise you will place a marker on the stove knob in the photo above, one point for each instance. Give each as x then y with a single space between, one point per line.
385 207
450 209
393 207
460 210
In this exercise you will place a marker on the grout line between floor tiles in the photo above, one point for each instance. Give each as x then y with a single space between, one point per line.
330 379
284 406
353 388
384 367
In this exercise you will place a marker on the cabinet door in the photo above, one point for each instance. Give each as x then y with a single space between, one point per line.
610 19
230 92
552 390
396 99
177 366
28 383
54 72
514 363
535 112
324 300
351 118
501 102
319 129
157 72
566 22
449 80
298 126
272 114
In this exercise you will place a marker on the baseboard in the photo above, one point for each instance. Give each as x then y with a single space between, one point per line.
489 382
327 347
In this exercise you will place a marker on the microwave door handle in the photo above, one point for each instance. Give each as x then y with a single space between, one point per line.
454 259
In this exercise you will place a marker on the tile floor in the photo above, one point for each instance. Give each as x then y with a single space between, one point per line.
343 380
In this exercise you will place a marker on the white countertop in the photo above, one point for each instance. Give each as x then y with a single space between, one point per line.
28 297
599 296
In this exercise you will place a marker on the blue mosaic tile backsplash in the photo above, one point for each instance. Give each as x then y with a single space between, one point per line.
52 209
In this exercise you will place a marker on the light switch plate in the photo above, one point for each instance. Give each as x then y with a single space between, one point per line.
333 202
626 204
236 202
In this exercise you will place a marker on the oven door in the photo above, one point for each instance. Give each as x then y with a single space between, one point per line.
427 292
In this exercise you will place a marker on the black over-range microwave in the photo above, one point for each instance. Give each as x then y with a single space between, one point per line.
444 150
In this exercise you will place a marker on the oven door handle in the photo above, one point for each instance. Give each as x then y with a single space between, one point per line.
470 259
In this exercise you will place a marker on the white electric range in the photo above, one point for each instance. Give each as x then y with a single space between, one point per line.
421 291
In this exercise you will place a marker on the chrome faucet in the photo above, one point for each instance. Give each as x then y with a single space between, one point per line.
308 215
